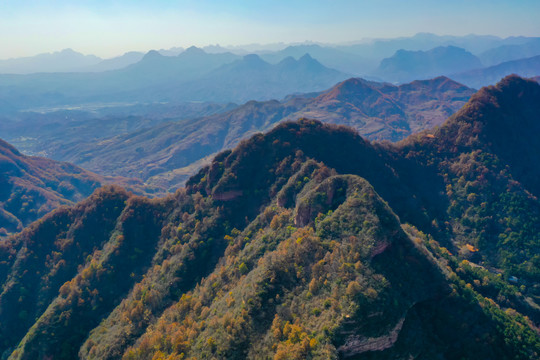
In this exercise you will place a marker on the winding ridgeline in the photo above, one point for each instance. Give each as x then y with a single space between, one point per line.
307 242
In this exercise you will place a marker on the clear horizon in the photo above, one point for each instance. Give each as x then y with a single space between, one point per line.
111 28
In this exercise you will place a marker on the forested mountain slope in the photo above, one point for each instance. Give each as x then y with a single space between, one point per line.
30 187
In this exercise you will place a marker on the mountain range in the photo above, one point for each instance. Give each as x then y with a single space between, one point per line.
510 52
475 44
458 64
115 63
66 60
188 65
193 75
304 242
69 60
333 58
177 75
406 66
241 80
477 78
358 58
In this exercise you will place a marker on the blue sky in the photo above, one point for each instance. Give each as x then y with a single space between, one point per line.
109 28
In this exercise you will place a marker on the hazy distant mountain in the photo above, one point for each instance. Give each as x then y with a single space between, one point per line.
70 61
194 61
363 58
405 66
355 58
168 153
383 48
488 76
328 56
155 68
218 49
115 63
193 75
253 78
257 48
66 60
505 53
139 82
174 51
187 77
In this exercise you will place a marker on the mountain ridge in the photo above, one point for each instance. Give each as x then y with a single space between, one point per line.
487 76
405 66
240 80
193 75
506 53
66 60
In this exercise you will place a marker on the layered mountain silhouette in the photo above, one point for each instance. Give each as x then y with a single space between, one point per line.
66 60
475 44
485 76
331 57
304 242
506 53
354 58
175 75
115 63
253 78
167 154
189 64
193 75
69 60
405 66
